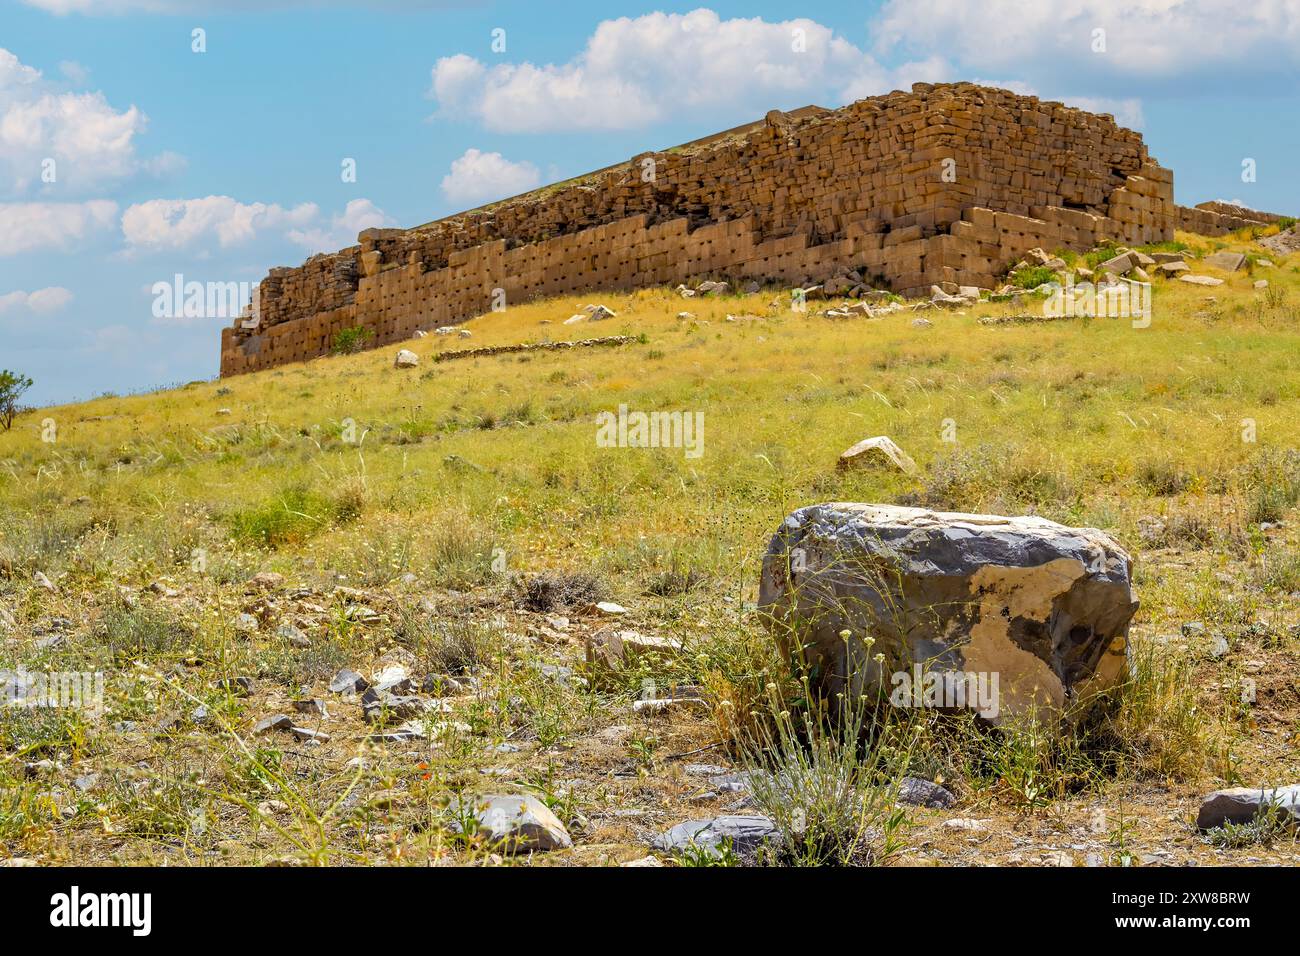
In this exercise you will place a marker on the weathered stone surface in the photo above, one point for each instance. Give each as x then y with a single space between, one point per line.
1243 804
925 793
517 823
1227 261
1200 280
877 452
827 198
348 682
1039 609
1119 265
612 649
745 834
406 359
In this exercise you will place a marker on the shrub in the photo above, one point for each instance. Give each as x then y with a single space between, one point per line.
352 340
828 778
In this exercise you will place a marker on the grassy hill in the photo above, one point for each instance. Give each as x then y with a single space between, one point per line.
460 518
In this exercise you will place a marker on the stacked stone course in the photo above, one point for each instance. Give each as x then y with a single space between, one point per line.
943 185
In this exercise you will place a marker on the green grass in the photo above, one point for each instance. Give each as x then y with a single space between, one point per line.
481 482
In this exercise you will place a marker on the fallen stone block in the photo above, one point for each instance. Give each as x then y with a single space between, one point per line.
877 452
1000 615
515 824
1227 261
1238 805
744 834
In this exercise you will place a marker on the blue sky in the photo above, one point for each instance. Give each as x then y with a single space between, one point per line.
221 164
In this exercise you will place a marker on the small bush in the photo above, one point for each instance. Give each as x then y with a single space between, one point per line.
828 778
351 341
1032 277
556 592
144 631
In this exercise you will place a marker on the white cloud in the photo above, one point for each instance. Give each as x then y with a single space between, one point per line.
478 177
342 231
1143 38
168 224
36 226
637 71
40 302
77 138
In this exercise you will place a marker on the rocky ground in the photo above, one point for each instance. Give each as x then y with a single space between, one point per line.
481 638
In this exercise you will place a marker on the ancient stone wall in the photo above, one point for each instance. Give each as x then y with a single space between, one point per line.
943 185
1220 218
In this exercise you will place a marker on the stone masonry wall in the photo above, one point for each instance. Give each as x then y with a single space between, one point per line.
943 185
1220 218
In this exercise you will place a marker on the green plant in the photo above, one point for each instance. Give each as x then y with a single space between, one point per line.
351 340
12 386
828 778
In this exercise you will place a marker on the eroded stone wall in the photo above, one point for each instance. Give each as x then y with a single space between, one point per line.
946 184
1220 218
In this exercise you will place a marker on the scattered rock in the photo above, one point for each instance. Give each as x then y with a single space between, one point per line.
1200 280
609 607
1227 261
293 635
348 682
1243 804
922 324
877 452
659 705
924 793
966 823
745 834
312 705
406 359
274 722
520 824
41 581
610 649
1013 614
266 581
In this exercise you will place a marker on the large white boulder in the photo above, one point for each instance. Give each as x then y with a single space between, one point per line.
940 605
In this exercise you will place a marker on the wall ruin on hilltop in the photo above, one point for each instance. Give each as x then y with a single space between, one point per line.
947 185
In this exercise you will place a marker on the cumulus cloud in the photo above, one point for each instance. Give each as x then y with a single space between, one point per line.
478 177
39 302
635 71
40 226
359 215
75 140
1142 38
171 224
